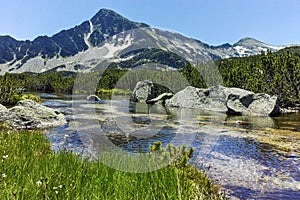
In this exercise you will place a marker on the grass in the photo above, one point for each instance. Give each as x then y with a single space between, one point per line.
114 91
31 170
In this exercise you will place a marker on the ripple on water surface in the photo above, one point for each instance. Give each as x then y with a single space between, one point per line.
243 165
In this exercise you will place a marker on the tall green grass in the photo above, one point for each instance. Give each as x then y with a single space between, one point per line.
31 170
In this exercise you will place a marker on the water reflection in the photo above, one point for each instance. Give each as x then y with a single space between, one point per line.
223 144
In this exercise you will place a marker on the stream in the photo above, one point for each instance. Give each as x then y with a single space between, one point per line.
236 152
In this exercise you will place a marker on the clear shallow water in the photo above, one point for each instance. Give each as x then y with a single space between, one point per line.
224 147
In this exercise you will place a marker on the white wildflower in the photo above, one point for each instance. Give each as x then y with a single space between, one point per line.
5 157
56 191
3 175
39 183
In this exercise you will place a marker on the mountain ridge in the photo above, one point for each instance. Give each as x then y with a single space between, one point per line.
109 32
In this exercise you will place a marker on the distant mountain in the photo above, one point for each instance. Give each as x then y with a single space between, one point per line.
249 46
108 39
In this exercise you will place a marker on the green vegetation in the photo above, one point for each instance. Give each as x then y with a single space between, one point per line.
31 170
192 74
177 157
109 78
151 55
11 91
110 92
272 73
59 82
32 97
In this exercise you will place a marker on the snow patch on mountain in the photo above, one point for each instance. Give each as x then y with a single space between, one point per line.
88 35
113 49
243 51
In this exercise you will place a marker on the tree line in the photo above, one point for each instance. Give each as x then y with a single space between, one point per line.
272 73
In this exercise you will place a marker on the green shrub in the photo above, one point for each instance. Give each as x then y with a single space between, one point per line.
10 90
32 97
177 157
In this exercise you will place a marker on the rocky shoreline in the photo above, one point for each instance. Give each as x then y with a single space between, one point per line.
28 114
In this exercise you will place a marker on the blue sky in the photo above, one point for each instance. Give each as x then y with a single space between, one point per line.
215 22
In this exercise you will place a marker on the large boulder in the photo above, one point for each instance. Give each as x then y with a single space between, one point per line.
28 114
253 104
143 91
227 100
187 98
213 99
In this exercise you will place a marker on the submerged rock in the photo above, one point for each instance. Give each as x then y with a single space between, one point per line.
234 101
143 91
93 98
161 98
28 114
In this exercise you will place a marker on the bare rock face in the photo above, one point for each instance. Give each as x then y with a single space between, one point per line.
234 101
143 91
28 114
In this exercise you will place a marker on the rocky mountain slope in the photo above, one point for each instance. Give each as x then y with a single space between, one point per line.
108 39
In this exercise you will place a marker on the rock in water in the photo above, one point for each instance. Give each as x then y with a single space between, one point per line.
254 104
190 97
161 98
93 98
227 100
3 109
212 99
143 91
28 114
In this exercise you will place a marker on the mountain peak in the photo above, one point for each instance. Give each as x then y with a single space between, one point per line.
106 16
249 41
78 48
106 12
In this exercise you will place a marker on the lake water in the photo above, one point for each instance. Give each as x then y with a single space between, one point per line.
237 152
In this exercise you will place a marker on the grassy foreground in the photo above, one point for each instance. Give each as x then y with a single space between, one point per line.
31 170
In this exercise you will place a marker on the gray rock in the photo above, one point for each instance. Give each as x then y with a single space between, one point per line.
3 109
93 98
187 98
143 91
226 100
212 99
161 98
254 104
28 114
